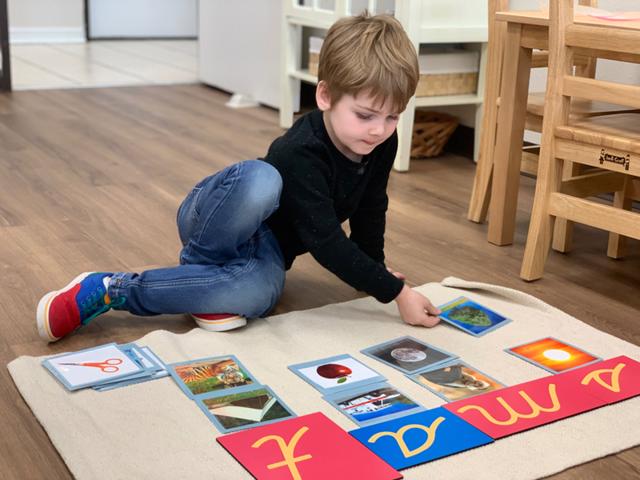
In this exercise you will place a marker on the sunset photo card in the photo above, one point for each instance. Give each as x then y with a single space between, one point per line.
553 355
373 403
340 372
471 317
243 408
455 381
214 374
408 354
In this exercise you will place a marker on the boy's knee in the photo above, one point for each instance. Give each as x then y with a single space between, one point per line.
265 184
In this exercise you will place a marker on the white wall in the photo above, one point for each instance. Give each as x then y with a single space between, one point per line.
46 21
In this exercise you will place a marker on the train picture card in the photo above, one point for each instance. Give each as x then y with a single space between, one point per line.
525 406
553 355
421 437
455 381
373 403
332 374
471 317
310 447
243 408
207 375
408 354
92 366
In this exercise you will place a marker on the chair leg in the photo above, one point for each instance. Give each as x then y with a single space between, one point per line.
617 243
563 228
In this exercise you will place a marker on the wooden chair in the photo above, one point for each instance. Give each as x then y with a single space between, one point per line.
610 143
481 192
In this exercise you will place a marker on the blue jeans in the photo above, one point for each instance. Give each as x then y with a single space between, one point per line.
230 261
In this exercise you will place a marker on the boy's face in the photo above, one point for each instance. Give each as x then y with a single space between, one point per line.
356 124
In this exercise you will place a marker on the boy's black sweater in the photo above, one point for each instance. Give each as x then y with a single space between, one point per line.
321 189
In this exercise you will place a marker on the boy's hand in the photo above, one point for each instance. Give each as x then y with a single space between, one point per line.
416 309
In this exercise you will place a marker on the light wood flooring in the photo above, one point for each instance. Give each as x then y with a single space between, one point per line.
91 179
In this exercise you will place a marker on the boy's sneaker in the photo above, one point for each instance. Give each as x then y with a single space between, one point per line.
62 311
219 322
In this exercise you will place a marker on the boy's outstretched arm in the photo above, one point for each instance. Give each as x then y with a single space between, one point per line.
416 309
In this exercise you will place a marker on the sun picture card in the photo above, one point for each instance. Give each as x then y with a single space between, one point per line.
92 366
244 407
527 405
373 403
553 355
408 354
471 317
212 374
340 372
310 447
455 381
421 437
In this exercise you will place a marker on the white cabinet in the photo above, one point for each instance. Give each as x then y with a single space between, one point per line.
426 22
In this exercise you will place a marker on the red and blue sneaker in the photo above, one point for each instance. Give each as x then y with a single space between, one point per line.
219 322
63 311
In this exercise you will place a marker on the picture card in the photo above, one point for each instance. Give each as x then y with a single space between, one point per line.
336 373
91 366
408 354
471 317
553 355
455 381
243 408
419 438
160 371
372 403
206 375
525 406
310 447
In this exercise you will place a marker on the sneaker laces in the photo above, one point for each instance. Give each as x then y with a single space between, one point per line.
94 304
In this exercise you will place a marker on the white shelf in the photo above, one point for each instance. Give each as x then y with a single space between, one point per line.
470 99
304 75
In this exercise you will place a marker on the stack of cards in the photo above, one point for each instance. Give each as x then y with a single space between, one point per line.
228 393
354 389
106 367
471 317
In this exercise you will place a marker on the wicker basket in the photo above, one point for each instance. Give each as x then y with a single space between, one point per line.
431 131
431 85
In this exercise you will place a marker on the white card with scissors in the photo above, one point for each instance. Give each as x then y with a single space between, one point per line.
92 366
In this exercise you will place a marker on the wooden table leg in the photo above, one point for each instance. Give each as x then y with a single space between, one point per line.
5 78
516 67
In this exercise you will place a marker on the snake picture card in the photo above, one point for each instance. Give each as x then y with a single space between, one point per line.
471 317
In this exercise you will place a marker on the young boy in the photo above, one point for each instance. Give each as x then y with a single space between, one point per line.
242 227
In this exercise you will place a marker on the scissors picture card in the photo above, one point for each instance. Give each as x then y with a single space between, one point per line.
408 354
372 403
336 373
471 317
92 366
553 355
138 355
526 405
206 375
455 381
243 408
419 438
310 447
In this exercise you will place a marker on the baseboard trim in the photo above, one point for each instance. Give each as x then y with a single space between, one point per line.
21 35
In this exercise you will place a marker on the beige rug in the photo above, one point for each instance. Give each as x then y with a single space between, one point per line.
153 430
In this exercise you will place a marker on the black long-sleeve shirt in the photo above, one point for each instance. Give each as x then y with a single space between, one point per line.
321 189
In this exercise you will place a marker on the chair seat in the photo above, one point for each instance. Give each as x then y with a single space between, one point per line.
579 107
620 131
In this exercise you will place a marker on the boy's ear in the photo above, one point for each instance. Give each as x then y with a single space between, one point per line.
323 98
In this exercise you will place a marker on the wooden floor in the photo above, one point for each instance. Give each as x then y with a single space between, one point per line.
91 179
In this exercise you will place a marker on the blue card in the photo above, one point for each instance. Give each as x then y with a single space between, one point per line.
244 407
93 366
419 438
471 317
408 354
213 374
373 403
332 374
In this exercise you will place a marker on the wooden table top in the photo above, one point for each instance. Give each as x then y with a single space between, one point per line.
627 21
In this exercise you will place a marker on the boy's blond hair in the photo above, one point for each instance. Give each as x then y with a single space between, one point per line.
369 53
